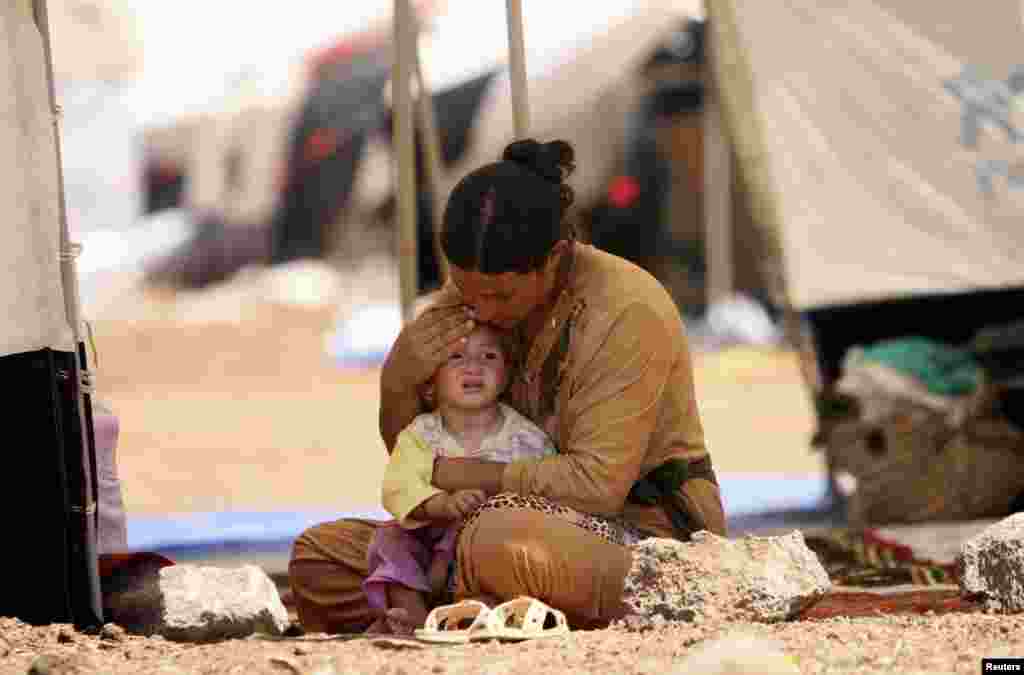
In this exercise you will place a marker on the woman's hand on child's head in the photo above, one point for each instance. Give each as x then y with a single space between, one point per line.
430 340
464 502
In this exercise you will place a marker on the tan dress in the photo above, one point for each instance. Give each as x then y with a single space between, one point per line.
610 375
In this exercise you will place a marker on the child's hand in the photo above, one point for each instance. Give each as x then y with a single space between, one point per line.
462 503
449 506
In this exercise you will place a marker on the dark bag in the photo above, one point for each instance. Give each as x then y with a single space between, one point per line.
51 560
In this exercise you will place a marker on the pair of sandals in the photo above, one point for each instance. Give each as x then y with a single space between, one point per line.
521 619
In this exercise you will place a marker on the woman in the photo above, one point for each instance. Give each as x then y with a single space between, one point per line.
601 362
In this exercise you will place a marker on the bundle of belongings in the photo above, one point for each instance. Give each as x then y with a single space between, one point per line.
924 431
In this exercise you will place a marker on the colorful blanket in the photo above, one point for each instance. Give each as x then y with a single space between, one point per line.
864 558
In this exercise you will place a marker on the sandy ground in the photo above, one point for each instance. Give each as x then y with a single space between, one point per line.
949 643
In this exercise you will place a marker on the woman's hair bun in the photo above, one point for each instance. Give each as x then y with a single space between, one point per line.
553 161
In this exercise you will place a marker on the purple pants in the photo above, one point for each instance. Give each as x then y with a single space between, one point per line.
400 556
112 531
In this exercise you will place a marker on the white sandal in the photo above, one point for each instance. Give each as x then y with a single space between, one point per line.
524 618
447 624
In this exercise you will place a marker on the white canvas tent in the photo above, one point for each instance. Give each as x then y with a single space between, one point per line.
848 144
40 348
95 40
30 255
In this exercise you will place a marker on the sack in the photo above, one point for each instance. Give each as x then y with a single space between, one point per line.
915 467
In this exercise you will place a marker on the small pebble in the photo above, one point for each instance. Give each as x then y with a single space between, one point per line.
113 633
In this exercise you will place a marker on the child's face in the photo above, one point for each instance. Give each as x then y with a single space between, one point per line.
474 376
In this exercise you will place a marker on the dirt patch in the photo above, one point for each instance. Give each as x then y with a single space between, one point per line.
954 642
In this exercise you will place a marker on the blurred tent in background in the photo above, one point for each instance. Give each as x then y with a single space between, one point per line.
848 123
584 69
99 57
203 74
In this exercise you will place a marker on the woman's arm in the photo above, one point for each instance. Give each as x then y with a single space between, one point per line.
613 410
451 474
422 346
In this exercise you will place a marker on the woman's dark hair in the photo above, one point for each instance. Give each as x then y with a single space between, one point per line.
507 216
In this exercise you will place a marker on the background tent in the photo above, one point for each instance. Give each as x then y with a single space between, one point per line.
584 85
50 557
850 126
849 151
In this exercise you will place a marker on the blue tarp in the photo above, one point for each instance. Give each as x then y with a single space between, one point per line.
745 495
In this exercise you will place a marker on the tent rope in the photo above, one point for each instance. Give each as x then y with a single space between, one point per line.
86 385
72 251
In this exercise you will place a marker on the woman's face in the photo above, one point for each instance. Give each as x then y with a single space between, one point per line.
475 375
503 300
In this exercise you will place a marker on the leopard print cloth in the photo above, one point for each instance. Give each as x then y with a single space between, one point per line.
613 530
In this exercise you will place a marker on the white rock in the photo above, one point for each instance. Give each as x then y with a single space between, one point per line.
991 565
188 603
755 578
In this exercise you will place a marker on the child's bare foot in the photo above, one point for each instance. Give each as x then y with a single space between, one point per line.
378 627
399 621
394 621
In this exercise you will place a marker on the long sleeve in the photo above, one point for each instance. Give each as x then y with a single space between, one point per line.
612 411
407 476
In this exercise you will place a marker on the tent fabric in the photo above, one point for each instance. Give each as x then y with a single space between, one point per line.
849 145
95 40
237 160
32 296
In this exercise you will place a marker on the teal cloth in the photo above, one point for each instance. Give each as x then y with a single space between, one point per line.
942 369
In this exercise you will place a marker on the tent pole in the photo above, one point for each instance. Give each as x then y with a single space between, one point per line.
432 150
718 178
517 65
404 152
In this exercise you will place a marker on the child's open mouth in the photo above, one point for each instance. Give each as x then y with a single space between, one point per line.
472 386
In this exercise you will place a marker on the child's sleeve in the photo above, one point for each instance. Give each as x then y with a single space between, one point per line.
407 478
